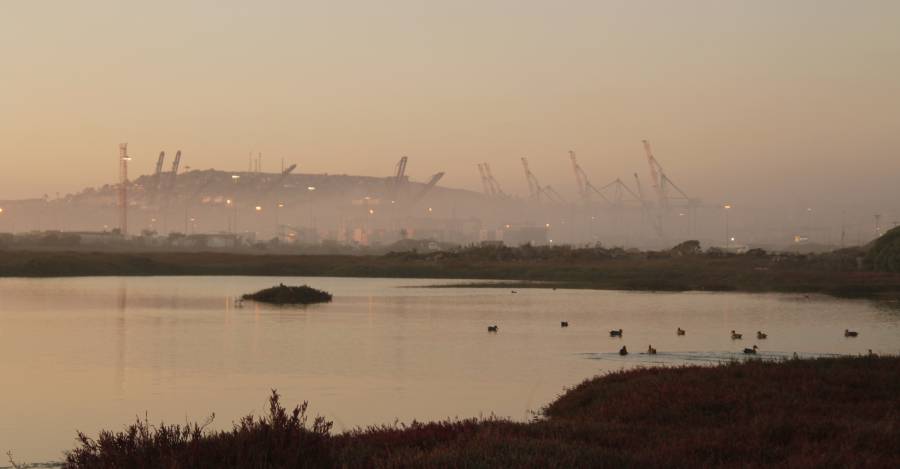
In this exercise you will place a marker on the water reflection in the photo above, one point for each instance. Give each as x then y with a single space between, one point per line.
180 348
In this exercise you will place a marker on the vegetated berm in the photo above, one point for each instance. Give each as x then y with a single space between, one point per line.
283 295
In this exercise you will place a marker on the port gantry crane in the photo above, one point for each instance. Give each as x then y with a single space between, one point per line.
427 188
399 179
585 189
661 184
534 187
157 175
485 183
156 183
490 184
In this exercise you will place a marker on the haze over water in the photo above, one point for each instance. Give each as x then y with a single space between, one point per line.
91 353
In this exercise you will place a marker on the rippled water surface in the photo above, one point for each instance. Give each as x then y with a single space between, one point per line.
92 353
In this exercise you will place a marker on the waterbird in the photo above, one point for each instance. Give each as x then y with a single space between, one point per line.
750 351
493 328
871 354
849 333
651 350
615 333
623 351
761 335
736 336
513 291
681 331
564 324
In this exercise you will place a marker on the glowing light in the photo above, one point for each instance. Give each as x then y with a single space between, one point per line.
311 188
371 211
235 176
258 208
726 206
280 205
547 225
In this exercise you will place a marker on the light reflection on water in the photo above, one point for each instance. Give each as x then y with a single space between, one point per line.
91 353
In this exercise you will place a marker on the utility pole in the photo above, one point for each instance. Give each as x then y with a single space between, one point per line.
123 188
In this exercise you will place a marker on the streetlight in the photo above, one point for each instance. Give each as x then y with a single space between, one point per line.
728 238
278 207
809 228
233 224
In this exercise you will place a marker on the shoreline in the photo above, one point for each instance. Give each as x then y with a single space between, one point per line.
739 273
673 274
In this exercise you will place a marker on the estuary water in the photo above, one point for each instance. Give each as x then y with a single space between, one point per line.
95 353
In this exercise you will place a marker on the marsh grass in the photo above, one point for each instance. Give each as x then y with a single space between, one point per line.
827 412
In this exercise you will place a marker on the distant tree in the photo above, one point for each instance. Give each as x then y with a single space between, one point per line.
756 252
690 247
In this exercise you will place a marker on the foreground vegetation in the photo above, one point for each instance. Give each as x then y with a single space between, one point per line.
835 412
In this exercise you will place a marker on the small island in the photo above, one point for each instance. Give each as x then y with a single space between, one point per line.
285 295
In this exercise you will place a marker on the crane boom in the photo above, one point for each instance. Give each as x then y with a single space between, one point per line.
485 182
280 179
534 187
580 177
176 163
400 170
428 186
654 170
640 189
159 164
551 194
495 185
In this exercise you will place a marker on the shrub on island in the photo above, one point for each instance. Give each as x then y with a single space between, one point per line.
285 295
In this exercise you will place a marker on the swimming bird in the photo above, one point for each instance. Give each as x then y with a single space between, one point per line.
761 335
680 331
750 351
849 333
615 333
623 351
736 336
564 324
872 354
651 350
493 328
513 291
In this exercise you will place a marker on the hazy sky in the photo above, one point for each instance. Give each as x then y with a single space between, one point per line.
757 102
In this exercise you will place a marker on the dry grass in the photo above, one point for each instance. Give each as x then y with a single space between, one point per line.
840 412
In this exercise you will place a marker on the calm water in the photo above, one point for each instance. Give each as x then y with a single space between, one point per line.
91 353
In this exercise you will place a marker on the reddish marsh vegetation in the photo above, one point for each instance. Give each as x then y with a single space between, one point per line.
799 413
